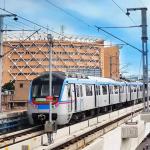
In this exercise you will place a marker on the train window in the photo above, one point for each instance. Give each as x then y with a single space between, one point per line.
77 90
134 88
128 89
138 88
69 88
45 90
99 90
56 90
121 89
104 88
88 90
96 89
111 89
35 90
81 91
116 89
131 89
141 88
145 87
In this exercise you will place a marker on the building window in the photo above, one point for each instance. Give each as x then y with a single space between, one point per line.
21 85
21 104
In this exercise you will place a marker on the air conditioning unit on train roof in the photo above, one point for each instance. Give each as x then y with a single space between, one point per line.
76 75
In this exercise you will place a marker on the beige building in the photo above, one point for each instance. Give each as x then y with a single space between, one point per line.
31 58
16 99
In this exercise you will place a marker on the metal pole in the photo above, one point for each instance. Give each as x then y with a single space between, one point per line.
50 124
145 54
1 53
110 67
50 75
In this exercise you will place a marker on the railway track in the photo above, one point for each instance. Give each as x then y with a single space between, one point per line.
18 136
78 141
88 137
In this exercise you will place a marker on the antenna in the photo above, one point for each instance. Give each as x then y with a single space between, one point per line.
62 29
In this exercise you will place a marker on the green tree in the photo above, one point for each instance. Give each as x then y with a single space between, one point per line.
9 86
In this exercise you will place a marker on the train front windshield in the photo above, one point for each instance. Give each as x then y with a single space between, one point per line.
40 87
41 91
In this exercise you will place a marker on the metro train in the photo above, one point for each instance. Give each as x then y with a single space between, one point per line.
76 97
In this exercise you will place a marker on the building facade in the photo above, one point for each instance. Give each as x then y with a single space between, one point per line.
30 58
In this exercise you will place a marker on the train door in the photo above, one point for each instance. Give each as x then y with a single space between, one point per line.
79 97
97 93
71 96
111 94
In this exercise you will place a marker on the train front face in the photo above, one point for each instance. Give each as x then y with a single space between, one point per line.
38 107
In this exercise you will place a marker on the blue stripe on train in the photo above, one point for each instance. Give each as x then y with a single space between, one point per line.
43 106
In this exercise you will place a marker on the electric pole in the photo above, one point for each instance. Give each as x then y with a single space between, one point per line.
1 52
145 54
49 124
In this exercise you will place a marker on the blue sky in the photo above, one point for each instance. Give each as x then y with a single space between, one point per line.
93 12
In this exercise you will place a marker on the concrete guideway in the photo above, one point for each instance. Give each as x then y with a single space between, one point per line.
72 132
113 140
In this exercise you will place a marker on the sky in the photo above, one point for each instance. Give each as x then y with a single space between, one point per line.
102 13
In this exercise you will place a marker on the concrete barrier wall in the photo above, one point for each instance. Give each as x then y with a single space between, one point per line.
78 129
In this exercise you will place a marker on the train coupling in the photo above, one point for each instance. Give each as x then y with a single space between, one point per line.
41 117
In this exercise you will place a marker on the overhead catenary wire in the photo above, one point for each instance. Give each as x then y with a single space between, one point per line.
118 38
31 21
122 68
19 44
83 21
124 12
71 15
12 26
13 22
122 27
61 35
23 24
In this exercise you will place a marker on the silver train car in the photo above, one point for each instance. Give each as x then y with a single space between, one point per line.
77 97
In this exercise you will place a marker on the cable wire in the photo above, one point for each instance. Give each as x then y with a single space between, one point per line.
12 26
71 15
31 22
19 43
118 38
8 19
124 12
122 27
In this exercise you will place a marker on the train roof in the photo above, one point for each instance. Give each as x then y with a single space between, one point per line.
86 79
